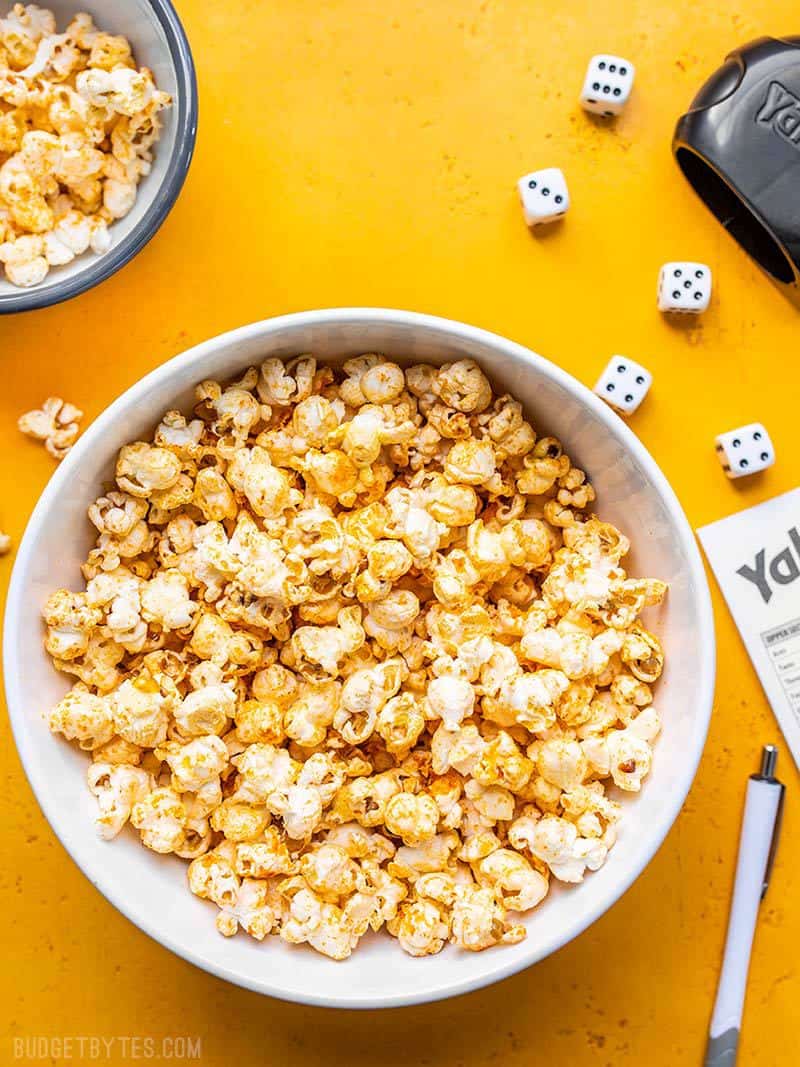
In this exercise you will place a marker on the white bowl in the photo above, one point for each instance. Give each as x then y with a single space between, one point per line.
159 42
151 890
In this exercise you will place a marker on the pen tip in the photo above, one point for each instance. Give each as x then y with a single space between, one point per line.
769 760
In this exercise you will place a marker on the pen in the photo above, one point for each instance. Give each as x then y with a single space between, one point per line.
757 846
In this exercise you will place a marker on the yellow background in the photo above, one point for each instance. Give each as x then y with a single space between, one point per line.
355 152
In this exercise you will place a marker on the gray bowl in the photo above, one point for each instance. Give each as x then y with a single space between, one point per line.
159 42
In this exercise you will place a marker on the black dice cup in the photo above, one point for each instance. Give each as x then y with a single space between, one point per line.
739 147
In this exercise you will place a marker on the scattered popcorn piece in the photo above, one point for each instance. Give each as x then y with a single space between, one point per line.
350 642
56 423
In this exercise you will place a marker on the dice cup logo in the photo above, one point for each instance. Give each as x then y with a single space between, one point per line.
781 112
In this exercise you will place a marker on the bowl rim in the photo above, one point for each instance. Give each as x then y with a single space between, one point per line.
186 112
180 366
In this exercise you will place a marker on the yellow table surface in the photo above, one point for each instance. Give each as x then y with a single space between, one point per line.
367 153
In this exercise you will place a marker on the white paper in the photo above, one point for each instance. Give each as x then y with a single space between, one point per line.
755 556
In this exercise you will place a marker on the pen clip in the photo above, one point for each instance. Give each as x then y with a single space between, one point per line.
773 848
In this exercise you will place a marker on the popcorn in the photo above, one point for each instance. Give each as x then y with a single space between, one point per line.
70 619
83 717
206 710
263 770
561 761
165 601
160 819
300 810
263 858
329 872
412 817
363 695
433 855
516 884
140 711
349 643
556 842
400 723
382 383
420 928
451 699
241 822
479 922
56 423
470 462
463 386
324 926
194 764
326 647
255 909
502 763
24 258
143 469
117 788
365 799
212 876
75 140
267 488
307 719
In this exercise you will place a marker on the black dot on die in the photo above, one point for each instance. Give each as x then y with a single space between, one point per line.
532 183
764 457
613 68
736 442
698 295
757 435
743 463
559 199
687 284
606 88
596 86
623 71
698 274
677 272
628 398
617 92
610 387
545 191
602 65
676 294
639 379
621 368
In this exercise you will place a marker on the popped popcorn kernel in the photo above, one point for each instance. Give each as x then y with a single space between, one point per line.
57 423
349 643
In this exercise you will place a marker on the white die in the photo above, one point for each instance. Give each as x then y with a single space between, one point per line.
746 450
684 287
623 384
544 195
607 85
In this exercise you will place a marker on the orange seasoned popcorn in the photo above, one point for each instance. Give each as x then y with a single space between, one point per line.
354 708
